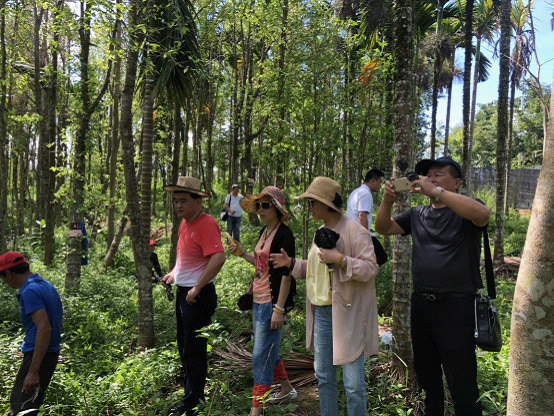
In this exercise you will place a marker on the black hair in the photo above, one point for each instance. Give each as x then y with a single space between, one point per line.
373 174
19 269
192 195
454 172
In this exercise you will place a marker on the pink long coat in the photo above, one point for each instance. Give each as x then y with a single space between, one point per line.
355 325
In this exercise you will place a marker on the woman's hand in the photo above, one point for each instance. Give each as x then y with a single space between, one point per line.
236 248
280 259
277 320
329 256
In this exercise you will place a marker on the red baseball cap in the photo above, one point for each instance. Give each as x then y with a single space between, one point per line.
11 259
152 242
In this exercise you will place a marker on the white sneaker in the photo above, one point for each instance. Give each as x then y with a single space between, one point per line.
291 395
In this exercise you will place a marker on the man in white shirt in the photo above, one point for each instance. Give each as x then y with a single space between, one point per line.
360 201
235 212
360 208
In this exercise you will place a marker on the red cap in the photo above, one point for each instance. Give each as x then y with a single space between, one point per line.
152 242
11 259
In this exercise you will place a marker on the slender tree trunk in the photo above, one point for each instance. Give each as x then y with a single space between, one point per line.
473 105
509 151
531 376
502 129
403 106
3 130
176 221
468 35
446 151
116 240
115 93
146 337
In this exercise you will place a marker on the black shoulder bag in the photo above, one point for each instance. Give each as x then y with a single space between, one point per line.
224 214
488 334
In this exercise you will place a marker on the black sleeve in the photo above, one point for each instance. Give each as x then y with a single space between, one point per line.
156 264
404 220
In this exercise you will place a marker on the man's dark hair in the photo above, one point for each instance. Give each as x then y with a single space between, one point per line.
193 196
453 171
19 269
373 174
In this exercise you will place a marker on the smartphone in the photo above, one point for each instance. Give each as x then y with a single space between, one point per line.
401 184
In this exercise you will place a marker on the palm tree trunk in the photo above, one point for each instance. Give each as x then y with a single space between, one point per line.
502 129
468 35
404 34
531 376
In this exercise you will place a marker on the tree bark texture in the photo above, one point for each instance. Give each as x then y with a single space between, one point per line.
403 106
531 376
502 129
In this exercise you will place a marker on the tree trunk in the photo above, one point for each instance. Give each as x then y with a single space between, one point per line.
531 376
114 154
509 150
502 129
403 107
473 106
116 240
146 337
468 46
3 131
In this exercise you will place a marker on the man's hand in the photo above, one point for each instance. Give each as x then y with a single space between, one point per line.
329 256
192 295
424 186
168 278
31 383
390 195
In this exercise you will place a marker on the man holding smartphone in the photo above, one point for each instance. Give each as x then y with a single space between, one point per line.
446 237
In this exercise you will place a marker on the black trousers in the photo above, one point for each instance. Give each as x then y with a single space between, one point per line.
443 335
192 348
20 401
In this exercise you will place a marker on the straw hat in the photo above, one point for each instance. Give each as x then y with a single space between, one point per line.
187 184
276 195
326 191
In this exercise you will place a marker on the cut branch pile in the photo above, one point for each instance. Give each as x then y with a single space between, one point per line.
299 366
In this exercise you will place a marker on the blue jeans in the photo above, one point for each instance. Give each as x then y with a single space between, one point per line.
233 227
266 344
353 373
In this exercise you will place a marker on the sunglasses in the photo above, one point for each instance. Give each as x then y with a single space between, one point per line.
309 202
264 205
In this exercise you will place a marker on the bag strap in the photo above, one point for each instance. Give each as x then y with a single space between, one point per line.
491 287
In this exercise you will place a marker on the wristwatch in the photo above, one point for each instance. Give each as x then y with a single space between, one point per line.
439 192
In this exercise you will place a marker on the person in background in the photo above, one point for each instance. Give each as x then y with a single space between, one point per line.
156 268
232 204
446 248
41 314
200 257
360 200
273 290
341 305
360 208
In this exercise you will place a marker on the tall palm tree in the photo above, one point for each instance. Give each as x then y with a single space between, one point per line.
484 15
531 375
404 38
520 58
502 128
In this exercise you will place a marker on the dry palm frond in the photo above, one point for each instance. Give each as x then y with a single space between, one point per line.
300 366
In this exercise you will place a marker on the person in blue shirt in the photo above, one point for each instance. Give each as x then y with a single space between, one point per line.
41 311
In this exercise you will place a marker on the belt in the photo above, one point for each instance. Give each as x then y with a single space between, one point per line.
185 289
432 297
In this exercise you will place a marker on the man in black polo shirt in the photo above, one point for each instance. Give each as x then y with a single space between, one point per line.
446 237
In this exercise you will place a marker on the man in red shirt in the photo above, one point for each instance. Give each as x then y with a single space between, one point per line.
200 256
